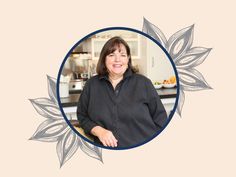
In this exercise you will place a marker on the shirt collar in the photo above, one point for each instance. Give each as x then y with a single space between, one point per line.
127 74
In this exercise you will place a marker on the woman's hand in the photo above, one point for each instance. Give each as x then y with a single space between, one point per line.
105 136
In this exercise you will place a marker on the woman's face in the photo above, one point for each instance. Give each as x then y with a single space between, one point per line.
117 62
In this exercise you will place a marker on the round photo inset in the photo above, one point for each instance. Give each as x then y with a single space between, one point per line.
117 88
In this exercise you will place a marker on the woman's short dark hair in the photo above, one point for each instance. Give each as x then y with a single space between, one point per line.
110 46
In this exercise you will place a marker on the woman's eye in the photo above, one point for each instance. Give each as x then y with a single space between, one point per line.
110 55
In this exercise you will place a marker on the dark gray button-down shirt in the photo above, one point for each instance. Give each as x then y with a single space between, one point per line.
132 111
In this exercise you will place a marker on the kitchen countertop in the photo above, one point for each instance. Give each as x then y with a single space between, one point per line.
74 96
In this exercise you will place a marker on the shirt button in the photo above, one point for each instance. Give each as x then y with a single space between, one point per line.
117 91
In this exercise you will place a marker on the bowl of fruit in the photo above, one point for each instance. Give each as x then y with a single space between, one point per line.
170 83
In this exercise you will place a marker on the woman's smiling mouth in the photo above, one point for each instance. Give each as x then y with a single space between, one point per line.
117 65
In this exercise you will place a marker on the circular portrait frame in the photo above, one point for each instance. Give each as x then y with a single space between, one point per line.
103 30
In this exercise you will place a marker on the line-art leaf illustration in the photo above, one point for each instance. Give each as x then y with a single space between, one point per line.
55 128
192 80
181 101
91 150
185 57
52 89
67 146
50 130
180 42
46 108
154 32
193 57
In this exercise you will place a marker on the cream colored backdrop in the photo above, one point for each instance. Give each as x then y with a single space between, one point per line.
36 35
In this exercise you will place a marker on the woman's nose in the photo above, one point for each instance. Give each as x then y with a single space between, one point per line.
117 57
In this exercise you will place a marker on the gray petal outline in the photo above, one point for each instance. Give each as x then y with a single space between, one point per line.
50 130
192 80
67 145
181 101
46 108
52 89
154 32
193 57
91 150
185 34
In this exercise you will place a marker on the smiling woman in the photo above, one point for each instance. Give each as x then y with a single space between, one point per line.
119 107
109 79
114 60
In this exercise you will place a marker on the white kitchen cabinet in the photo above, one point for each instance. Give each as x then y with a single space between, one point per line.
153 62
98 43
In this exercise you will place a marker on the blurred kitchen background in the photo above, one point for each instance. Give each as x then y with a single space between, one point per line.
146 55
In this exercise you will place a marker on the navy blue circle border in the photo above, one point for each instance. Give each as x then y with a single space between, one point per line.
107 29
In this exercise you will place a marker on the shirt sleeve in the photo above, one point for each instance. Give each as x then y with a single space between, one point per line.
155 106
82 110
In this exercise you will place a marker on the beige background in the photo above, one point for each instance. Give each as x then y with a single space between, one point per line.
35 37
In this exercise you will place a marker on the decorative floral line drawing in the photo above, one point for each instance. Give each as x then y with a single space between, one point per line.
55 128
185 57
